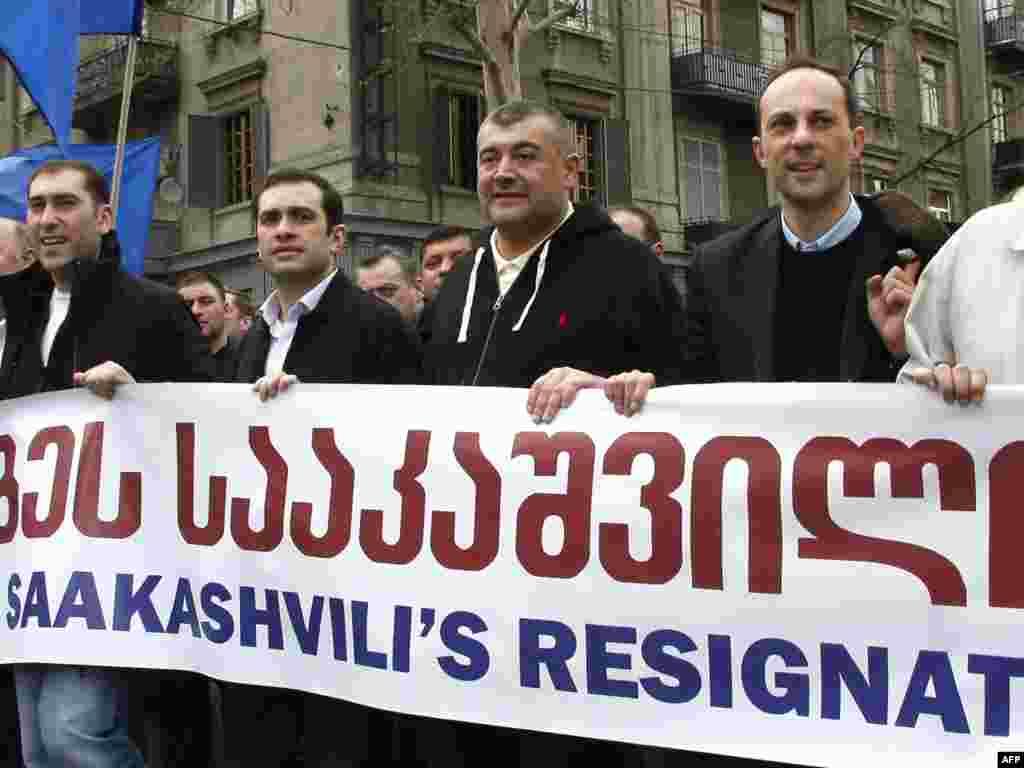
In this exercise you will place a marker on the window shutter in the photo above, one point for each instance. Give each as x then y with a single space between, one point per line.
442 136
261 145
618 190
205 161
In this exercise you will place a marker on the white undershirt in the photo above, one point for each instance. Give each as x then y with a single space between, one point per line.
3 337
60 303
282 329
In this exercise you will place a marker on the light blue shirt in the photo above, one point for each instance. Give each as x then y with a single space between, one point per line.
841 230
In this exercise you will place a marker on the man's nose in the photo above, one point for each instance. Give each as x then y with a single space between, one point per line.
803 134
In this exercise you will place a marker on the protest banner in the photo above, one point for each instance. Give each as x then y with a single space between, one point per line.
817 574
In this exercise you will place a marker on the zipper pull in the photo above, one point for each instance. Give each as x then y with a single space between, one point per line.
497 303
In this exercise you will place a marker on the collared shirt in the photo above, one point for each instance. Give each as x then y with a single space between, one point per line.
60 304
3 337
282 331
508 270
839 231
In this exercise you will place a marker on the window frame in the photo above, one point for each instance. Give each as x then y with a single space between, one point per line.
788 34
461 142
250 7
880 101
938 86
595 167
942 214
693 9
1000 117
584 21
701 171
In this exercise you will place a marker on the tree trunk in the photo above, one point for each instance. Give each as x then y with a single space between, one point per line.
502 82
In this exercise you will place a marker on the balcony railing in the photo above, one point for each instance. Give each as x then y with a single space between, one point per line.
1008 157
1005 32
101 77
715 71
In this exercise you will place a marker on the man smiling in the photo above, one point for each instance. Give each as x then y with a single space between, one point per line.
548 288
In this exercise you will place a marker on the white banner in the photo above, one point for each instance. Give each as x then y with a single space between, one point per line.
832 577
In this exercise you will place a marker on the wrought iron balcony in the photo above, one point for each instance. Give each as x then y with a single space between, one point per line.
101 77
1005 34
1008 157
720 73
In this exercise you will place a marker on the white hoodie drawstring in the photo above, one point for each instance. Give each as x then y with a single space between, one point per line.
536 285
470 294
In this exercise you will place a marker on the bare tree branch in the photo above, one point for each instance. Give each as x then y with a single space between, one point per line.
518 14
559 15
475 42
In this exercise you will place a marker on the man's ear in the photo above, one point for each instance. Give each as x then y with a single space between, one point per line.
572 170
857 143
338 240
104 218
759 153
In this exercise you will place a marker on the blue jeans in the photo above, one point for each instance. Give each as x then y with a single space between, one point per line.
69 718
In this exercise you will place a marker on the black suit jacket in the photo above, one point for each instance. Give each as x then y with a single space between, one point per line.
732 291
350 338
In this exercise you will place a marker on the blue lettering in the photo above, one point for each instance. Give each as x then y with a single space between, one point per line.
222 626
250 617
13 600
655 653
720 670
308 634
479 660
838 667
797 696
184 610
363 656
400 641
933 667
600 660
37 605
128 603
997 671
532 655
81 584
337 607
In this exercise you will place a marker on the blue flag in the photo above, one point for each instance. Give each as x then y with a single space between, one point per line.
40 40
135 209
111 17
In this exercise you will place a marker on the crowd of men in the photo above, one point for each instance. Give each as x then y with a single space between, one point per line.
551 297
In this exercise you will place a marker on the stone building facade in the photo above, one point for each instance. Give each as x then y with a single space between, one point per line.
383 97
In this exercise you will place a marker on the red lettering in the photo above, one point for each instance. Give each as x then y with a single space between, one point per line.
410 537
1006 527
339 511
193 533
571 507
269 537
484 548
87 492
9 489
764 512
64 439
810 504
666 513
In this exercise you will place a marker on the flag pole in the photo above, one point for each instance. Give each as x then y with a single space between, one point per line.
122 125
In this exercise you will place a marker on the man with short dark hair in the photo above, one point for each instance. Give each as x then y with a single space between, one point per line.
639 223
547 287
390 275
443 248
75 318
203 294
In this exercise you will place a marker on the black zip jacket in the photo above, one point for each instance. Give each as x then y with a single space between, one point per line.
139 324
605 304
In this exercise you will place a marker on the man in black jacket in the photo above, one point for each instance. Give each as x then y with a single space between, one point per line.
552 284
75 318
317 326
799 294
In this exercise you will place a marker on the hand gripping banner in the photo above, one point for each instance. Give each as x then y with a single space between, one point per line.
815 574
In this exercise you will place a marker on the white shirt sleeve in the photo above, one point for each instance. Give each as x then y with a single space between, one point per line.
928 330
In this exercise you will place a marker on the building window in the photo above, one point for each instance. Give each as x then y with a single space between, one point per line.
584 18
875 184
586 134
933 88
940 204
687 26
239 154
776 36
702 161
236 9
464 121
1000 130
868 78
998 9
